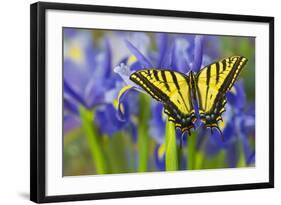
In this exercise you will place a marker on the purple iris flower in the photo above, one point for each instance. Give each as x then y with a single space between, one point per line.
239 126
87 71
89 81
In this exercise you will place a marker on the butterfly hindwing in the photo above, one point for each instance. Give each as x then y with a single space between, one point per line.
212 83
173 90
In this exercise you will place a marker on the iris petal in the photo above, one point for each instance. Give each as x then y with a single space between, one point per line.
162 43
120 104
157 123
141 58
70 122
252 158
180 57
198 53
108 59
70 105
71 91
108 122
237 97
159 155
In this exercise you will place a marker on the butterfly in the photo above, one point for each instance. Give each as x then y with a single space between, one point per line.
179 92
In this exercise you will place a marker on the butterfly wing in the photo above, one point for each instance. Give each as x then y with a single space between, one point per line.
173 90
212 83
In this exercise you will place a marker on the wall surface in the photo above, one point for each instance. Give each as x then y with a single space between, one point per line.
14 95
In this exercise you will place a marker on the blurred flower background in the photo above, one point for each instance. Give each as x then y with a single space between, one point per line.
106 132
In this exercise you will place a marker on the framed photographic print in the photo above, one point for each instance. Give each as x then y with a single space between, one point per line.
129 102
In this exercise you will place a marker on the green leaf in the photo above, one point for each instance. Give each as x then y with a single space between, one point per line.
115 150
199 158
171 147
91 134
143 134
217 161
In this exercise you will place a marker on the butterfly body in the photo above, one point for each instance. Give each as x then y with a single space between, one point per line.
178 92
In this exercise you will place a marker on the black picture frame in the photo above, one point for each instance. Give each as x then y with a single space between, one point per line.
38 100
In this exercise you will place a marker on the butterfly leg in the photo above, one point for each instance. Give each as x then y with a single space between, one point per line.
222 137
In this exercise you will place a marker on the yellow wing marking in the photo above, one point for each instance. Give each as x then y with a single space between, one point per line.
216 79
173 90
164 86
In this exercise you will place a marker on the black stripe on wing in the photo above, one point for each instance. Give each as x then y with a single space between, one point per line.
211 115
181 120
233 75
211 119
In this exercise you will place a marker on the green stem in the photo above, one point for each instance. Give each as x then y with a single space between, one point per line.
221 159
199 159
143 135
241 161
90 130
180 153
191 145
115 151
171 147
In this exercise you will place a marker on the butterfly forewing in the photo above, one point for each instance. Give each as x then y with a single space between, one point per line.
212 83
173 90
